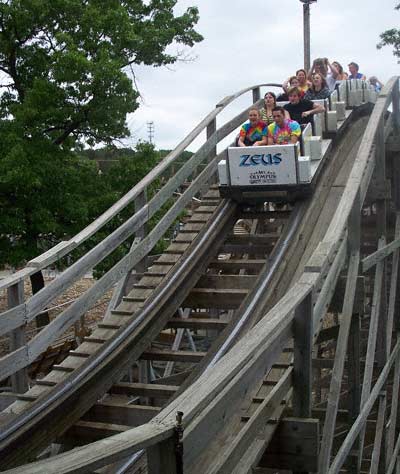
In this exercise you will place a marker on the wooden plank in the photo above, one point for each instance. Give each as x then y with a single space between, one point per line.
358 425
302 373
235 264
15 297
85 432
197 323
372 338
294 446
378 448
215 298
121 413
338 368
228 458
162 458
144 390
372 259
244 282
393 411
176 356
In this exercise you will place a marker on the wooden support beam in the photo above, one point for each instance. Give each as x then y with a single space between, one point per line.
176 356
234 264
230 456
161 458
85 432
378 448
144 390
338 368
118 411
221 282
302 376
197 323
212 298
294 446
15 297
372 338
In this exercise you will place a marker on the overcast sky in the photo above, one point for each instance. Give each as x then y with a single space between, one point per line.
253 42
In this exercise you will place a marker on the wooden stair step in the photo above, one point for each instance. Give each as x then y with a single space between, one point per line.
134 299
121 412
84 432
144 389
215 298
77 353
196 323
45 383
63 368
112 326
25 397
238 264
175 356
94 340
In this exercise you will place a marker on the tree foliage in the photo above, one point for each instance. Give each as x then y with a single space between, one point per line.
66 61
66 81
391 37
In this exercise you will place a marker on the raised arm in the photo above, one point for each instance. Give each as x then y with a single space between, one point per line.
334 69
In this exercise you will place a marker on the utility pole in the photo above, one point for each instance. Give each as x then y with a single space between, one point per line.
306 32
150 131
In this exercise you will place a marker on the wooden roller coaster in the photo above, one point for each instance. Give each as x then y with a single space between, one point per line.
264 338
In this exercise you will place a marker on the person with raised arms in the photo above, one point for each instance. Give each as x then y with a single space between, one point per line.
253 132
283 131
328 71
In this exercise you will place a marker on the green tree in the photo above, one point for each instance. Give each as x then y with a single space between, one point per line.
391 37
67 70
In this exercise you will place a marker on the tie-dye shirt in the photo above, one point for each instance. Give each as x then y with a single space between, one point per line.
251 134
282 136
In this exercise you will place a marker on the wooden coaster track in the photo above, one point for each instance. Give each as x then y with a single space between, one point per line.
260 297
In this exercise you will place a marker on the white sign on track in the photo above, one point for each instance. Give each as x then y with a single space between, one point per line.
262 165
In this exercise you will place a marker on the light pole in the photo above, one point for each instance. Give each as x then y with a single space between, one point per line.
306 31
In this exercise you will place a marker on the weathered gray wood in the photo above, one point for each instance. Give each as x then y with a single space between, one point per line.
362 417
396 107
141 389
100 453
302 373
256 94
372 259
119 412
161 458
378 448
328 289
228 458
211 129
15 297
393 287
337 372
393 411
294 446
371 347
395 458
